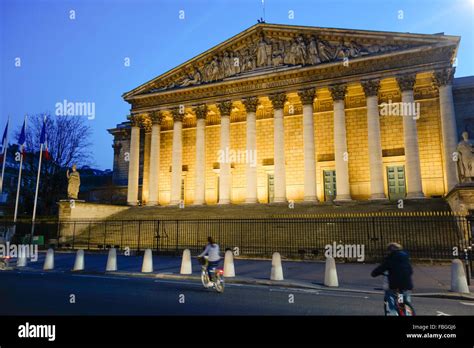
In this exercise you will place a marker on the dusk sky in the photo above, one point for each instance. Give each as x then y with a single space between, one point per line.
82 59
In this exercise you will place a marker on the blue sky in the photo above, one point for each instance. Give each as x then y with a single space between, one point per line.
82 60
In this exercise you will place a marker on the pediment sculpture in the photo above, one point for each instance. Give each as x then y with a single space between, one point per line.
267 53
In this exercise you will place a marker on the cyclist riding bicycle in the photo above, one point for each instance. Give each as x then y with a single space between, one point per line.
397 264
213 252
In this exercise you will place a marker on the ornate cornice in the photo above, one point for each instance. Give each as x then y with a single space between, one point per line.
177 115
251 104
278 100
406 82
371 87
225 107
307 96
444 77
201 111
338 92
156 117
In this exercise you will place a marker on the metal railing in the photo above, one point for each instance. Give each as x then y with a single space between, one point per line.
427 236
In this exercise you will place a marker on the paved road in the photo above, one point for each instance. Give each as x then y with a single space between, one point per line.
39 293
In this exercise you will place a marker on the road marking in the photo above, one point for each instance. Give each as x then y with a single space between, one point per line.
100 276
316 292
441 314
467 303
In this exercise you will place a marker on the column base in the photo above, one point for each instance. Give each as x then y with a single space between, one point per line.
251 201
132 204
280 200
378 197
343 198
152 204
415 195
199 203
311 199
224 201
175 202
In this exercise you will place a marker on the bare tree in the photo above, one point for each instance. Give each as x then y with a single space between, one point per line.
68 140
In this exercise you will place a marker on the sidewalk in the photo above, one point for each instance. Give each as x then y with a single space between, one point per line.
428 280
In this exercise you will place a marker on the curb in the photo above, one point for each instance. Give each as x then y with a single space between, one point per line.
290 284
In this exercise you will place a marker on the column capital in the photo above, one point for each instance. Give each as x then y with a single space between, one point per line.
134 120
200 111
371 87
406 82
145 123
338 92
156 117
225 107
307 96
278 100
444 77
177 115
251 104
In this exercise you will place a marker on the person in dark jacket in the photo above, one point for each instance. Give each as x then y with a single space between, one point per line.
397 265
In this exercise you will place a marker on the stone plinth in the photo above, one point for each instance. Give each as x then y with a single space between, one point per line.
461 198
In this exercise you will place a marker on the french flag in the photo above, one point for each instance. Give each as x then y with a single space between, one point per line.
44 142
4 144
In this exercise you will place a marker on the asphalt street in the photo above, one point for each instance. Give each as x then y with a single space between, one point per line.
64 293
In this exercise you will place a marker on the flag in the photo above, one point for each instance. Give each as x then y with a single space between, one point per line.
22 138
44 142
4 145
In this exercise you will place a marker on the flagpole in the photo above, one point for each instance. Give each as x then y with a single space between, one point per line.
36 193
4 156
19 180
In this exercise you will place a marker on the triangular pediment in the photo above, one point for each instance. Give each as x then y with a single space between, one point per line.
272 48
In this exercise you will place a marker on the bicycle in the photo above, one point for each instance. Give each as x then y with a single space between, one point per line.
402 307
217 276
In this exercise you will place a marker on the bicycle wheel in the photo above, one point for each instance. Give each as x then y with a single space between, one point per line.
219 284
204 278
409 310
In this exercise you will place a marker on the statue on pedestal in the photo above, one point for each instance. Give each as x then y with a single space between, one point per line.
465 161
74 181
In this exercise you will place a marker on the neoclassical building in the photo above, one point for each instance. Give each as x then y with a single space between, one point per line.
284 113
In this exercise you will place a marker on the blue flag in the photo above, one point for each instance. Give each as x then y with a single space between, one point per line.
4 140
22 137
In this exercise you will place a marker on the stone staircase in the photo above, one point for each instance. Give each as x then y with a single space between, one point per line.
247 211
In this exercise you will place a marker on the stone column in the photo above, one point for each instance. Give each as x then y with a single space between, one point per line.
278 102
154 176
251 105
371 89
146 125
444 80
177 157
200 187
410 137
309 149
134 160
225 109
338 93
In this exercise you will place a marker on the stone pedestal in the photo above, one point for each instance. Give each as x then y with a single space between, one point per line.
461 198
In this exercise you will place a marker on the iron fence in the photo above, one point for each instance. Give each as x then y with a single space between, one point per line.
425 237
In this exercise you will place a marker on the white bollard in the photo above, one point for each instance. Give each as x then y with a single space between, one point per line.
79 263
22 261
147 266
111 260
229 269
49 261
186 266
330 274
277 269
458 277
